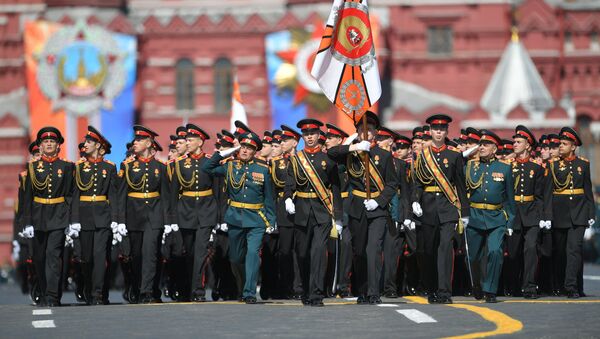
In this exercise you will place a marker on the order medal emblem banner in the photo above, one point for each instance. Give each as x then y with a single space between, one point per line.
79 75
345 65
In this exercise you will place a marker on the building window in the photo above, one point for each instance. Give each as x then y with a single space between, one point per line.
569 46
439 40
223 72
184 93
594 42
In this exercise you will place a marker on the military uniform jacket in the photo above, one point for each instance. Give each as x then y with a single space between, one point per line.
48 179
298 182
356 179
18 219
436 207
402 209
248 186
95 178
573 198
279 173
530 183
491 183
148 179
195 193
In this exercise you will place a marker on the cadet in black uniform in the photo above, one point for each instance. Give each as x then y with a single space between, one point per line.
195 208
440 200
46 207
95 211
312 193
533 198
369 217
145 208
573 210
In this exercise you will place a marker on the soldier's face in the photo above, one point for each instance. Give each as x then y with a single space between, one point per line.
287 145
385 143
403 152
427 143
49 146
554 152
521 145
462 147
173 154
36 156
266 150
90 146
192 144
471 144
566 148
311 137
545 153
275 150
370 132
246 153
417 146
439 133
332 142
141 145
487 150
181 146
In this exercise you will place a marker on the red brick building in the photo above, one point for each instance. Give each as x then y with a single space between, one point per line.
434 56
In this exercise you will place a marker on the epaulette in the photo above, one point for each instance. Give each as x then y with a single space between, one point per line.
277 158
262 164
182 157
66 160
23 174
452 148
584 159
80 161
170 161
226 160
109 162
128 160
506 162
162 161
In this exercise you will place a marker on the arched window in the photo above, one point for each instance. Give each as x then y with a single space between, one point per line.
184 79
223 82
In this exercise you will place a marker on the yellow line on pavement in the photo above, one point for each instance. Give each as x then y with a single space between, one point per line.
504 323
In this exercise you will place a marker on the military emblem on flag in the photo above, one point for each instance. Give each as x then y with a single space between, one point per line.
345 65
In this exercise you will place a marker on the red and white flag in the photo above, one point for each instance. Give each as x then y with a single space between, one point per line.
238 112
345 65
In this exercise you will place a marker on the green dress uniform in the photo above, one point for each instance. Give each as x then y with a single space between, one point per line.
251 210
492 211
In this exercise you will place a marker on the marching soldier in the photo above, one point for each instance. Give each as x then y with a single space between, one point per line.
573 209
46 207
440 202
181 140
533 199
417 141
369 213
251 209
393 243
145 211
554 143
194 208
492 201
314 182
95 211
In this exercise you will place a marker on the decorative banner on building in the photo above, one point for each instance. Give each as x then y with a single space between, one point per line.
78 75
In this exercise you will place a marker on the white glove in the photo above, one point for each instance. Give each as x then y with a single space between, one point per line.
406 222
217 227
174 227
412 225
122 229
269 230
114 226
364 146
371 205
71 232
416 209
465 221
470 151
118 237
588 234
168 229
16 250
68 241
509 231
212 236
164 237
350 139
339 228
229 152
223 227
289 206
542 224
76 227
591 222
27 232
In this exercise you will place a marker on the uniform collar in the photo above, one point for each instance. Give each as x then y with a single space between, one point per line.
95 161
522 161
491 160
312 150
438 150
146 160
197 156
571 158
49 159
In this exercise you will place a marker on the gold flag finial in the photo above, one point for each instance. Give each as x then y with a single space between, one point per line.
515 34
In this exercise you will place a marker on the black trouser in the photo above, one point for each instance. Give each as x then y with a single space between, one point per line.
522 250
269 267
392 253
367 244
224 279
567 249
346 257
434 244
196 242
47 251
95 252
311 249
145 251
288 268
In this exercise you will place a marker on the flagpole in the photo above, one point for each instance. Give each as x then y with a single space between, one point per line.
366 158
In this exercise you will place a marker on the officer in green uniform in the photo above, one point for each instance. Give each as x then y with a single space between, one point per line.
251 208
490 184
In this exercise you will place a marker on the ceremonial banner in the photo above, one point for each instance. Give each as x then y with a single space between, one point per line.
345 66
78 75
238 112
